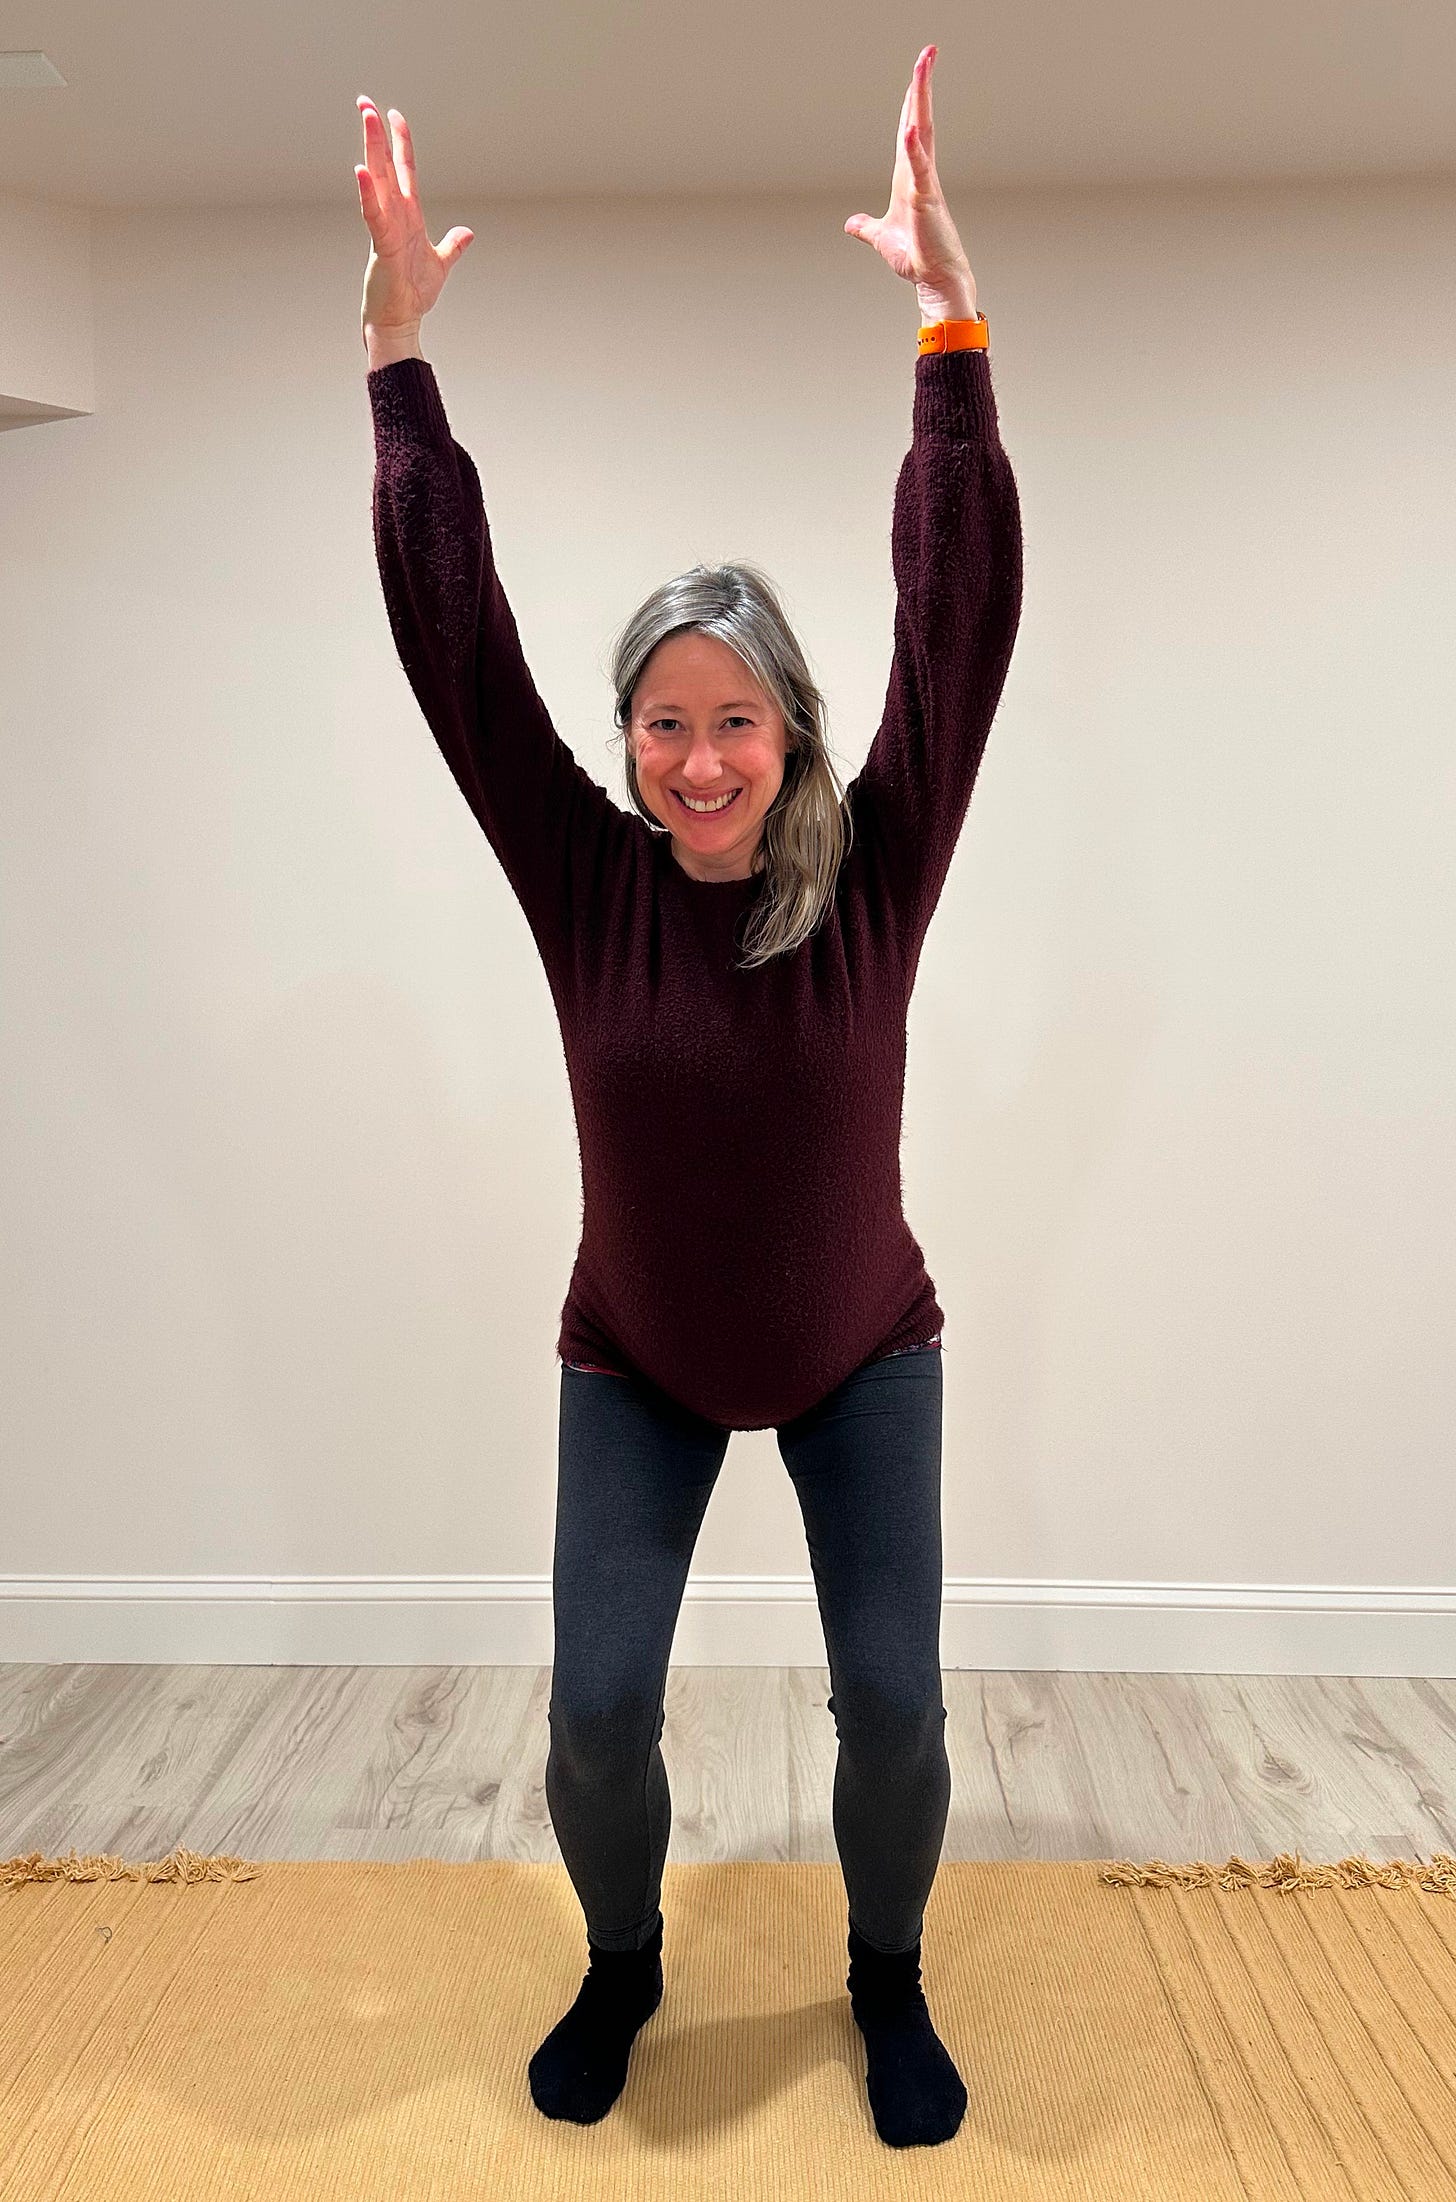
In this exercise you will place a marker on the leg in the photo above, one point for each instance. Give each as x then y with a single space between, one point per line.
635 1472
866 1468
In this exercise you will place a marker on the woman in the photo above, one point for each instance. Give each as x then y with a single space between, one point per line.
731 962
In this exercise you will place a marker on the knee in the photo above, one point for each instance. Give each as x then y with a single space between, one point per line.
599 1734
899 1729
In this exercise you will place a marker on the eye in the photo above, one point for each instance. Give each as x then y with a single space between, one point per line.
736 719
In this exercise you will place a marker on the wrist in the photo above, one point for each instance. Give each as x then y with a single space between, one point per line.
385 345
947 305
958 310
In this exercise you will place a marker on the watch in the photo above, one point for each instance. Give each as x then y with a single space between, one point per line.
955 336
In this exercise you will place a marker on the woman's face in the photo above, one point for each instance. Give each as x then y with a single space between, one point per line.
701 726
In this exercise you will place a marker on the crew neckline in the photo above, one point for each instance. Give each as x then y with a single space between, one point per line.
751 879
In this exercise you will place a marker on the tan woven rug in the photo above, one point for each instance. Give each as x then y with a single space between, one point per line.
268 2032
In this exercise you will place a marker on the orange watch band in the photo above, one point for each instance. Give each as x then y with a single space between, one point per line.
955 336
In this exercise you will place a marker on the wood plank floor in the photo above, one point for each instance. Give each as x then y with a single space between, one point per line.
449 1762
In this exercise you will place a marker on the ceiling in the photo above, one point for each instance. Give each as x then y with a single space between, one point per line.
187 103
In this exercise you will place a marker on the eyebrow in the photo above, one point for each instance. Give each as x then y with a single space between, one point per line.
742 703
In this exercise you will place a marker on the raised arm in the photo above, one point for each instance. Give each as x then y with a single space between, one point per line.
956 553
544 816
955 547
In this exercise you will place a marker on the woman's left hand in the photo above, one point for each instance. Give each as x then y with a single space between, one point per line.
916 235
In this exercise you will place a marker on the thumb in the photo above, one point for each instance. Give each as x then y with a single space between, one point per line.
860 225
455 244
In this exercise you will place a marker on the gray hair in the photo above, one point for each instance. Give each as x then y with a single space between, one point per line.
807 832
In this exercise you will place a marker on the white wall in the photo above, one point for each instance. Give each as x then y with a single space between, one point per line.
290 1185
47 311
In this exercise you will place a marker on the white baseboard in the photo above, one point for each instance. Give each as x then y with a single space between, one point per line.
726 1621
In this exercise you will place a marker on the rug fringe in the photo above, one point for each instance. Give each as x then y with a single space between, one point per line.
180 1864
1288 1874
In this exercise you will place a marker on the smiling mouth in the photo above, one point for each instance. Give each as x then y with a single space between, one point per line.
717 809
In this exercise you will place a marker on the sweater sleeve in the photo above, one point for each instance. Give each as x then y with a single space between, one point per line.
956 554
547 820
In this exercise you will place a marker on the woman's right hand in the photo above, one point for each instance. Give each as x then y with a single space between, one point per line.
406 273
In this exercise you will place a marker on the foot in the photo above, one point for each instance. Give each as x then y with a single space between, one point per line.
581 2067
916 2094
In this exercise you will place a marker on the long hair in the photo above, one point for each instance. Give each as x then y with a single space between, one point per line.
807 832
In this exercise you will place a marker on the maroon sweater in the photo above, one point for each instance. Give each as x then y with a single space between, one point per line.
743 1243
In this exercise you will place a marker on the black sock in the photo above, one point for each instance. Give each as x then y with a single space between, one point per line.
916 2094
581 2067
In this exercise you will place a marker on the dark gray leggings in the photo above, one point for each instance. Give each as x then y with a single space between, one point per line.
635 1472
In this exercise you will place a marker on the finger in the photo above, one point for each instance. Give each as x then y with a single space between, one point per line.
381 173
404 155
920 84
368 196
904 116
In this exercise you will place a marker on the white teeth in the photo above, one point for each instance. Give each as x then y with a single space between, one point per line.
703 807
